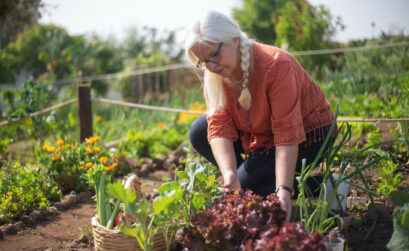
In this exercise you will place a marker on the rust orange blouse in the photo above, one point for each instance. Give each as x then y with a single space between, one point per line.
286 104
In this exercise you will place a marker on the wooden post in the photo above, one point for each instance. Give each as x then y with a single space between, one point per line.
85 111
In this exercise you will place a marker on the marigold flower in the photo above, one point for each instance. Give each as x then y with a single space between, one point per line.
161 125
88 165
106 169
45 147
56 156
68 145
137 137
81 168
103 159
97 149
74 147
98 118
88 150
115 165
60 142
97 138
50 149
111 167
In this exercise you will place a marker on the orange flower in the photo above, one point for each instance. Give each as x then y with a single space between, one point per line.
88 150
97 149
103 159
137 137
74 147
45 147
97 138
81 168
106 169
68 145
60 142
161 125
88 165
56 156
50 149
111 167
115 164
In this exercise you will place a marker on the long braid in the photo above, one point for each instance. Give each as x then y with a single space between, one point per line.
245 96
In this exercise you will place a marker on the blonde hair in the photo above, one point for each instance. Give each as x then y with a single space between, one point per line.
214 27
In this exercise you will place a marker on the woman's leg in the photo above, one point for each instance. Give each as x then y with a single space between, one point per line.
198 139
257 172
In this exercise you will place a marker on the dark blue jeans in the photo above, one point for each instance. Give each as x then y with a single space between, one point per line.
257 171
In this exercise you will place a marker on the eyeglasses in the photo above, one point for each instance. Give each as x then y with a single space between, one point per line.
212 59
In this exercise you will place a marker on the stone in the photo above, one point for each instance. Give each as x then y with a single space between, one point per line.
10 229
27 220
69 200
35 215
19 226
359 201
85 196
52 210
60 206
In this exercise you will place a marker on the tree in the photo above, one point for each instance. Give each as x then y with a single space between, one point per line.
259 17
302 27
15 15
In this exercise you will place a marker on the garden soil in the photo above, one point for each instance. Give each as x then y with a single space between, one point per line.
63 231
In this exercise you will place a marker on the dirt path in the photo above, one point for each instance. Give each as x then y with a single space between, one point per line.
66 227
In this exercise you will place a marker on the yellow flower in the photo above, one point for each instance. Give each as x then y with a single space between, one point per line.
45 147
161 125
56 156
74 147
68 145
88 165
88 150
90 140
98 118
81 168
97 138
60 142
115 164
111 167
106 169
137 137
336 158
50 149
97 149
103 159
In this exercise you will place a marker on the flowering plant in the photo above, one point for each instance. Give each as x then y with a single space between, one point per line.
67 164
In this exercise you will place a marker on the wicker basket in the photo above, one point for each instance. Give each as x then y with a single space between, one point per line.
107 239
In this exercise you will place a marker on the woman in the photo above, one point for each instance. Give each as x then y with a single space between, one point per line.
260 102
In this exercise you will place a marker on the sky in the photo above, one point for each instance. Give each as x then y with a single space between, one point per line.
114 17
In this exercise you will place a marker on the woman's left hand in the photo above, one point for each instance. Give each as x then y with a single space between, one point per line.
285 202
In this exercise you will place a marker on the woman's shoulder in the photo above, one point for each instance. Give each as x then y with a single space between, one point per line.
270 55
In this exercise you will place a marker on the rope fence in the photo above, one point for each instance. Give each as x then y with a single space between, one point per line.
167 109
181 66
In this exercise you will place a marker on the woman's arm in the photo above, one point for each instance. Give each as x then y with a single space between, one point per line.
286 160
223 152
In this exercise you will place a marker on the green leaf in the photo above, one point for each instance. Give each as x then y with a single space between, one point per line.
210 181
119 192
405 220
198 202
182 175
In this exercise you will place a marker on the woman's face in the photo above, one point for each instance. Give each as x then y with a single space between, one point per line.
223 62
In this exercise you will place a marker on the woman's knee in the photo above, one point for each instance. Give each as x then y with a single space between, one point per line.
198 131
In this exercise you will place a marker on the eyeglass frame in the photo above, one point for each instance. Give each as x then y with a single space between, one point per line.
202 64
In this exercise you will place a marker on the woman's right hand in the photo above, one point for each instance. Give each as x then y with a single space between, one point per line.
231 181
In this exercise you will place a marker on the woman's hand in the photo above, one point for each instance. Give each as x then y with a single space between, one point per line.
285 202
231 181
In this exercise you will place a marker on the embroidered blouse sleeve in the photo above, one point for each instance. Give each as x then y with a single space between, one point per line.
284 98
220 123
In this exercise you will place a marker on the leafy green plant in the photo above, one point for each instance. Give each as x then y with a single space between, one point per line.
399 240
388 181
24 188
